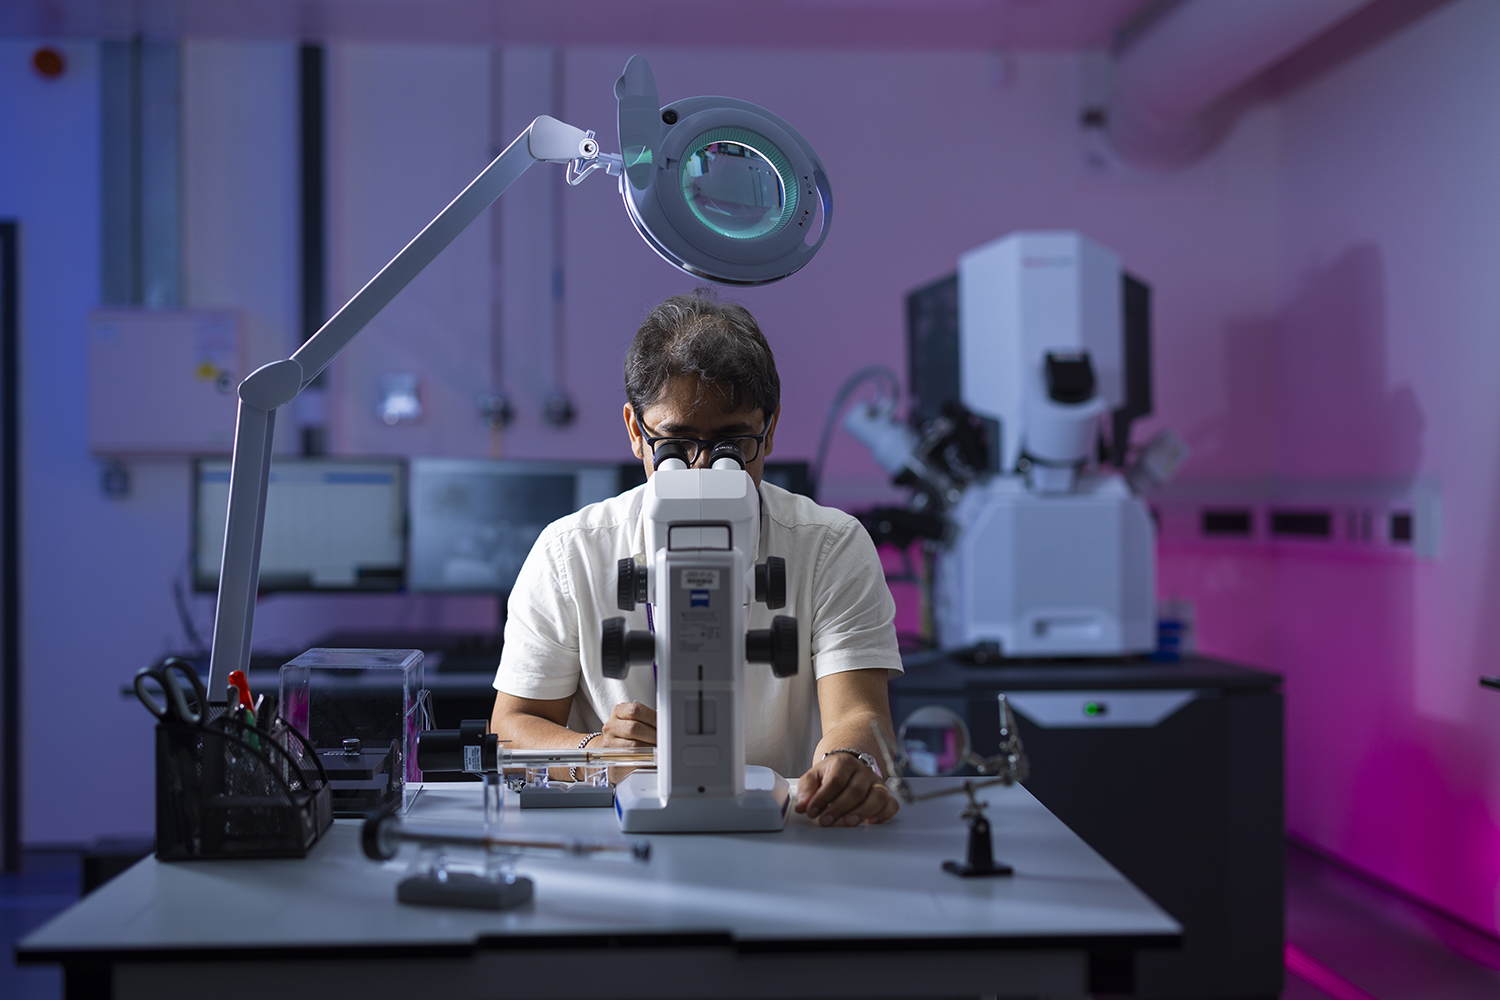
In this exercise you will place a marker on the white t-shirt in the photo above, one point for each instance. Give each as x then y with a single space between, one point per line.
835 589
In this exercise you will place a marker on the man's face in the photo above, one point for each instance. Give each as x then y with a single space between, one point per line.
690 408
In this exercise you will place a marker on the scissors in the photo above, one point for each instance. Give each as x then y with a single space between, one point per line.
174 708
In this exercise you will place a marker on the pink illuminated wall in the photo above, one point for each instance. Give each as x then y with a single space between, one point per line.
1381 361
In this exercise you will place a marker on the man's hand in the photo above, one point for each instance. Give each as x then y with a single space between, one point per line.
841 789
631 724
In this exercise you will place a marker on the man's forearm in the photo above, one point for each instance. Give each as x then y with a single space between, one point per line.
533 732
838 788
851 703
853 732
533 725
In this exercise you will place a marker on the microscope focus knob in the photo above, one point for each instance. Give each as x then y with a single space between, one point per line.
784 646
620 648
630 586
770 582
776 645
614 662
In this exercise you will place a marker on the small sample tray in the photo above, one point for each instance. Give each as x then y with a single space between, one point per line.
566 795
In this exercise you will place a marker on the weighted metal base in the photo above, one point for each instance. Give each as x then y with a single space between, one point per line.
474 892
567 796
762 807
981 851
965 870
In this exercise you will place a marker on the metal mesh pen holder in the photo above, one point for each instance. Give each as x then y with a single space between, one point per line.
228 790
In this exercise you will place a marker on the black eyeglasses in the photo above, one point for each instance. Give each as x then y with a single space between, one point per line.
748 444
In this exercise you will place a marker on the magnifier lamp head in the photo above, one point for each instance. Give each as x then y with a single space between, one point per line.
720 188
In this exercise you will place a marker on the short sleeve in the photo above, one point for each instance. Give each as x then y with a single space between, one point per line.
854 616
540 657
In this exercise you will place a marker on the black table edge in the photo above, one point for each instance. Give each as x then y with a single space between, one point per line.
572 942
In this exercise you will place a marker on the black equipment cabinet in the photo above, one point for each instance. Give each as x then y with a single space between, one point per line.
1187 806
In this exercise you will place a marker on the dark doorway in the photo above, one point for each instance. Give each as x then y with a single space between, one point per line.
10 598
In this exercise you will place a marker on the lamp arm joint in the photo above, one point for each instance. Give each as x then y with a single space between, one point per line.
552 141
272 385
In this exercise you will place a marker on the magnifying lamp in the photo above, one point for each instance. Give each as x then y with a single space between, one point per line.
720 188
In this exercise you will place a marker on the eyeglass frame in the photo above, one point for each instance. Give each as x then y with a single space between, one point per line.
702 446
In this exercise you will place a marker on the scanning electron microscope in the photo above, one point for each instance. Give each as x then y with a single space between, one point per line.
1045 552
702 530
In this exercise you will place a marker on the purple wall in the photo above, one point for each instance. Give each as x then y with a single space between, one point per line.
929 155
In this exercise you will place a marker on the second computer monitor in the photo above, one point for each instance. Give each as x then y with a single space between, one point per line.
473 522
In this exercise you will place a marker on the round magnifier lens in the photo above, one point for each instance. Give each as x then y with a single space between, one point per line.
735 183
935 740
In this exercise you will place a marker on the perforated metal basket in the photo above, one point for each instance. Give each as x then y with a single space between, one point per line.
229 790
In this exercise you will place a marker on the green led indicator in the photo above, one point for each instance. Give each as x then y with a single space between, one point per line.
1093 708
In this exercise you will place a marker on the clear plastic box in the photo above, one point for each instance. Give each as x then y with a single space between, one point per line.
373 696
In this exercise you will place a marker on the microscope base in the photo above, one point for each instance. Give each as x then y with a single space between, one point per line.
762 807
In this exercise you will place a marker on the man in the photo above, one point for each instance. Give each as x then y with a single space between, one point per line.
701 370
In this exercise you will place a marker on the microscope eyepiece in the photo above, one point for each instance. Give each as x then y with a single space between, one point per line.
670 449
726 449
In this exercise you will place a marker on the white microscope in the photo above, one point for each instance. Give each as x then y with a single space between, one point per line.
702 533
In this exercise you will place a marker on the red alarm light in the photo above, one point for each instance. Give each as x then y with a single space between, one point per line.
48 62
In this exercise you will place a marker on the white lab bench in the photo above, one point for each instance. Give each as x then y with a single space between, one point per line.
809 911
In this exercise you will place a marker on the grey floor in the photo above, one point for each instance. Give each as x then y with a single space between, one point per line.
1365 941
1380 944
48 884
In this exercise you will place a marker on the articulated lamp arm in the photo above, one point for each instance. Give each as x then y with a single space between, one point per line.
268 388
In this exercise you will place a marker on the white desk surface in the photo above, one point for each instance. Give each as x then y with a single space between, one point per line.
804 889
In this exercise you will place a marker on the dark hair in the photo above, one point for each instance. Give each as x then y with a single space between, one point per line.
696 334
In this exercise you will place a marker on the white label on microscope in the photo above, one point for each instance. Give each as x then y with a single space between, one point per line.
471 760
700 579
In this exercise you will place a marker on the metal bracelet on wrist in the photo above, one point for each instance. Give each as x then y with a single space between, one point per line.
864 759
573 771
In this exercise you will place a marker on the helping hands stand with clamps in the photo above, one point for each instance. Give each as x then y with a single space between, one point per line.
1009 766
702 531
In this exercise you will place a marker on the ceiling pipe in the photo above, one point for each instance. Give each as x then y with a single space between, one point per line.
1177 80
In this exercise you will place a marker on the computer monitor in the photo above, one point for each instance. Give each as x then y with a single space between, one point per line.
473 522
332 524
